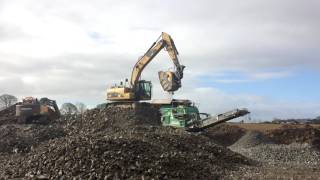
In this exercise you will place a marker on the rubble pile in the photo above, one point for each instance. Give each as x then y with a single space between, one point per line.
262 148
225 134
121 143
16 138
292 134
137 154
97 120
292 154
21 138
251 139
7 116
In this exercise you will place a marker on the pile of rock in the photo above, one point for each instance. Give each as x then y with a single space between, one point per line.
260 147
251 139
97 120
293 134
122 143
16 138
294 154
225 134
7 116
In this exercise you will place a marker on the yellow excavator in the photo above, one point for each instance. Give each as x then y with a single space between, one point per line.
174 112
137 89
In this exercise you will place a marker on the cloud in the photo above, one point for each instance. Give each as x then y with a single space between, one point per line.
73 50
232 81
10 32
241 76
270 75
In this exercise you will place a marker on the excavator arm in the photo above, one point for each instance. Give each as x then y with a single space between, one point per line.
141 90
170 81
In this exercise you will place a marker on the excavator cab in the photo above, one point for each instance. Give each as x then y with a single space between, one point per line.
143 90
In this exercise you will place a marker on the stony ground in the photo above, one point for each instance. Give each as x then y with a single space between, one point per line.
295 160
7 116
118 143
113 144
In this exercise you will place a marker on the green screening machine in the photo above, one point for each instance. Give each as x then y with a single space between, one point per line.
184 114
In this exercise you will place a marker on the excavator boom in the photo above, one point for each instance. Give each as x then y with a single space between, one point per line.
141 90
172 78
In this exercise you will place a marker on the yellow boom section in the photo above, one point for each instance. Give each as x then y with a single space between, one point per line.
164 41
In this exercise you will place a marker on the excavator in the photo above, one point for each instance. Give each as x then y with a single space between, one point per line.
32 110
140 89
177 113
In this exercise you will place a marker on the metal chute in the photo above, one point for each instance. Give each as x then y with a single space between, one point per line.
221 118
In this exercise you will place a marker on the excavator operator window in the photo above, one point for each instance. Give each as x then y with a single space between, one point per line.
147 89
144 90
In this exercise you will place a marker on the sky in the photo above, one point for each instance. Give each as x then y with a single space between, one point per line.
255 54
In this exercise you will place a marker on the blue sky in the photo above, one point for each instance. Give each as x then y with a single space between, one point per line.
302 85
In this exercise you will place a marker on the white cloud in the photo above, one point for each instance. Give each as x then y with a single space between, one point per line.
232 81
71 50
270 75
247 77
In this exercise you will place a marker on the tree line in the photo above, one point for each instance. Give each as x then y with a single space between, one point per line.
70 108
7 100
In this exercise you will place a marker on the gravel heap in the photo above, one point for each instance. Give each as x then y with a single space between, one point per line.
97 120
292 154
292 134
251 139
118 143
7 116
224 134
16 138
259 147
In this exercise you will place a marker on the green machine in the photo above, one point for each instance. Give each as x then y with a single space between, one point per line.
184 114
179 113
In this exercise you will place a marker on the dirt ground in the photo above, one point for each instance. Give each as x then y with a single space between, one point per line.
283 151
266 127
118 143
